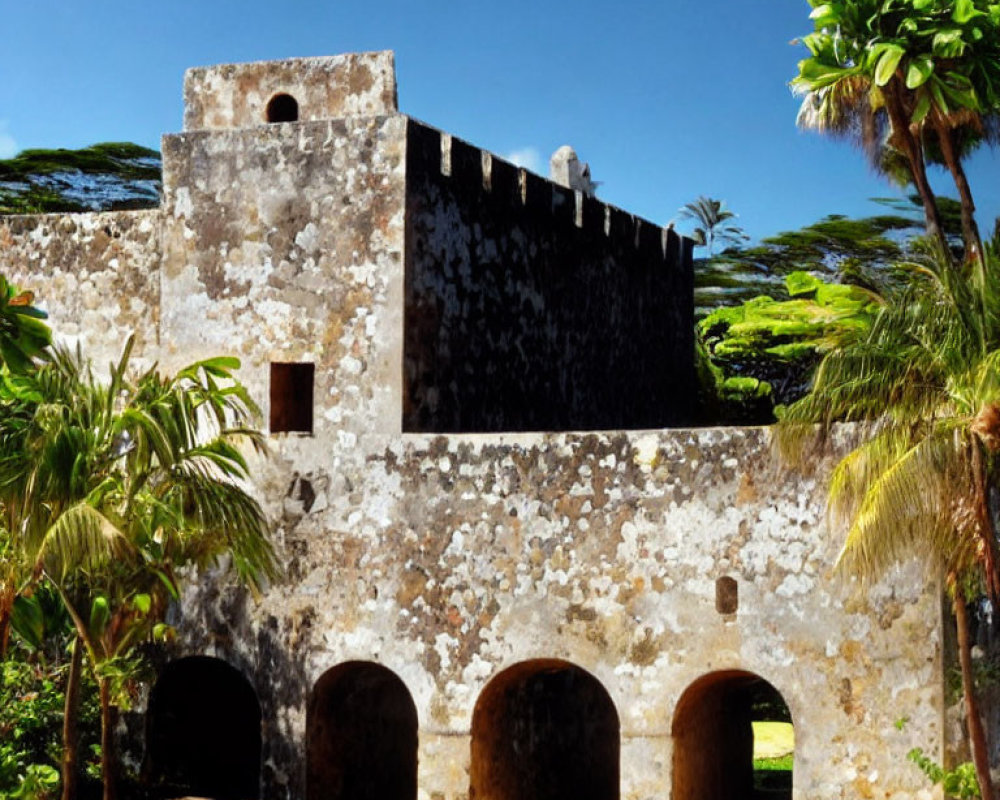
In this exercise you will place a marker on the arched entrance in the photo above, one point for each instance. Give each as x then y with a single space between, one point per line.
545 730
716 756
361 735
203 732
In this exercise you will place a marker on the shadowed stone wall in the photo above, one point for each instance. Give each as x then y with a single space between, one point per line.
532 307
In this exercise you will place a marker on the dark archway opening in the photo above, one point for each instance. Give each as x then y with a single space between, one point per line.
283 108
361 736
545 730
715 756
203 732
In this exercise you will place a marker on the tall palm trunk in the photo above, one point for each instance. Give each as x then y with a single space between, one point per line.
4 634
914 152
71 716
109 765
7 596
977 735
949 151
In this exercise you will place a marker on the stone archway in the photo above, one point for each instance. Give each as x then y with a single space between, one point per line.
713 738
361 735
203 732
545 730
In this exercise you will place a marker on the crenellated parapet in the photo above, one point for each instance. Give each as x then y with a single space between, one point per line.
509 274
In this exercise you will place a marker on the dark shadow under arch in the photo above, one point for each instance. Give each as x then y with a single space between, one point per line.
713 738
545 730
361 735
203 732
282 108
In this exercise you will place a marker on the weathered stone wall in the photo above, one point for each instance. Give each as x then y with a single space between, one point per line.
449 559
531 307
236 95
285 245
96 274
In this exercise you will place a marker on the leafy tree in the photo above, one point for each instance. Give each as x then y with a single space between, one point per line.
765 349
33 683
118 485
767 313
113 175
882 72
108 489
836 248
715 223
925 378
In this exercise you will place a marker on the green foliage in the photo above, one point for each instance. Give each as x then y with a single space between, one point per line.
40 181
39 782
860 252
766 347
925 378
943 52
31 713
779 764
109 490
768 361
907 81
124 159
959 782
23 335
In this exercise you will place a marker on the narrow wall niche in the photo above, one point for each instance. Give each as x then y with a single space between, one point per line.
291 397
727 595
283 108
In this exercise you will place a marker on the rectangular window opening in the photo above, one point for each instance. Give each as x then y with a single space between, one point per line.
292 397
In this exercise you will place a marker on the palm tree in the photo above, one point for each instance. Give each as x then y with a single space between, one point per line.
924 383
892 73
113 487
715 223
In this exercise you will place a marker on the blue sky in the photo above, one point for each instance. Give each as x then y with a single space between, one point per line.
666 100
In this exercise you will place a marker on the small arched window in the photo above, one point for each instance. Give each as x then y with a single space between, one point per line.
283 108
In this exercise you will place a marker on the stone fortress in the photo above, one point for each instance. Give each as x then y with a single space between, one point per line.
509 571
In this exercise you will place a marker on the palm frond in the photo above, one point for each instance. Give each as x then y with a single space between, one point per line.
81 539
915 506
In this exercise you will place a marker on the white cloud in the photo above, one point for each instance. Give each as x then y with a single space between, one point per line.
8 147
529 158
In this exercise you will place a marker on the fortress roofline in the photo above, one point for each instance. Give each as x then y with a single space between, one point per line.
246 95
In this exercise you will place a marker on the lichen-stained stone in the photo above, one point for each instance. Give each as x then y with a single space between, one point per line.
97 274
416 282
285 244
236 95
449 559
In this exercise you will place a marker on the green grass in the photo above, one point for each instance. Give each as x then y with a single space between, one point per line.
773 754
779 764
